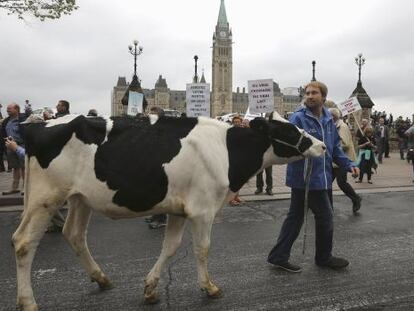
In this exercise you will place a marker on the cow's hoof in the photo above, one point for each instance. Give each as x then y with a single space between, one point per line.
216 294
151 299
213 292
104 283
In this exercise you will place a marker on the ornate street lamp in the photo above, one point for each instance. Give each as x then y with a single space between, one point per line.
313 70
360 61
135 51
195 69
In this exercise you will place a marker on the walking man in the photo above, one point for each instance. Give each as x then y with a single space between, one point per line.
317 121
381 137
348 147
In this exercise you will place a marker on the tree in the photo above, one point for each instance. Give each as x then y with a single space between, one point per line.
46 9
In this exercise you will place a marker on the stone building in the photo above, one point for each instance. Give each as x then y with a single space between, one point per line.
223 99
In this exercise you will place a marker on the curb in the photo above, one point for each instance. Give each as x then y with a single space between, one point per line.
246 198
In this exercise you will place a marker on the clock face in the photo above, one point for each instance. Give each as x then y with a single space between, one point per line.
222 34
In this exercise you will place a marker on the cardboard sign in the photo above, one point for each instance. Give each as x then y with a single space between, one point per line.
198 99
261 96
349 106
135 101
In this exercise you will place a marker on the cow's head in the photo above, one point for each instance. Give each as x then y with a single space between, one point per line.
289 143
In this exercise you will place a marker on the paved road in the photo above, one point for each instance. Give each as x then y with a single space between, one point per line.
379 243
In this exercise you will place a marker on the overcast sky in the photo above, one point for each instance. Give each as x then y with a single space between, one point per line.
79 57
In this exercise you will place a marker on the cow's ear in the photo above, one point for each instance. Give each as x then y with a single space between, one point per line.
259 125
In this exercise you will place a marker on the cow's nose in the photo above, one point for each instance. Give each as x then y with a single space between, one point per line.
323 147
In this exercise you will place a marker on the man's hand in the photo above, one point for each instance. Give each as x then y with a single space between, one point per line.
355 172
11 144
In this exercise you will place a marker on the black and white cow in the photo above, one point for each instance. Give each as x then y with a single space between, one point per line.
131 167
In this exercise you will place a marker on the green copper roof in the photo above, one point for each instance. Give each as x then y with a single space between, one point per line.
222 19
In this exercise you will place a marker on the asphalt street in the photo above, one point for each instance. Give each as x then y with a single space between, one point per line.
379 243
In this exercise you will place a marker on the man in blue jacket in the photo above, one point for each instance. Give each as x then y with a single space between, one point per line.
315 119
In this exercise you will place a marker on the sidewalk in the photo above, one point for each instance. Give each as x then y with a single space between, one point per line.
393 175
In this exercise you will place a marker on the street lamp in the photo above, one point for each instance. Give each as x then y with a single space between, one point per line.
195 69
135 51
360 61
313 70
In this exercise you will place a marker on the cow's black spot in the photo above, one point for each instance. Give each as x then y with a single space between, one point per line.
46 143
245 149
130 162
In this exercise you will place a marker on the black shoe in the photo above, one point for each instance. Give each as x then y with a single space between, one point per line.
269 192
356 205
157 224
287 266
335 263
258 191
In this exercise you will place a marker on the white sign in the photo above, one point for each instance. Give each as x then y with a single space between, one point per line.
198 99
135 100
349 106
261 96
250 116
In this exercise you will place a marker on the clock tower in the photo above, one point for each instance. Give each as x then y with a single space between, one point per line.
222 73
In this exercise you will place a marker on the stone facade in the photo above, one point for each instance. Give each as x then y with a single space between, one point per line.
223 99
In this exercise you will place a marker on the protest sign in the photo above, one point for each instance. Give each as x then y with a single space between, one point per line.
198 99
135 100
261 98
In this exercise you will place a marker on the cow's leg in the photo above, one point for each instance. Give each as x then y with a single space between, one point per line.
75 233
201 228
172 240
26 239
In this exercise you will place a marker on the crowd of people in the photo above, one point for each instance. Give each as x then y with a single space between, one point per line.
13 151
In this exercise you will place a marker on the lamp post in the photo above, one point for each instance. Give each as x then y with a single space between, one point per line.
195 69
360 61
135 51
313 70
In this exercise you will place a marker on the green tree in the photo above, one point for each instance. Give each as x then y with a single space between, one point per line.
47 9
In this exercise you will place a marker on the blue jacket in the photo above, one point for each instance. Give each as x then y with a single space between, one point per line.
324 130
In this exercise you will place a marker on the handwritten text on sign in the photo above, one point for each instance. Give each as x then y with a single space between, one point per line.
349 106
198 99
135 100
261 96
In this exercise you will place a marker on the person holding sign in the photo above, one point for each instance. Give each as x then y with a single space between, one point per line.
316 120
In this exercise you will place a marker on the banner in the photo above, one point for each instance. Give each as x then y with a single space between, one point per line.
135 101
261 96
349 106
198 99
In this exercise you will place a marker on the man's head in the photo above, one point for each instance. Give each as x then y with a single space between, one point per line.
381 121
62 106
315 94
336 114
92 113
237 121
13 110
364 123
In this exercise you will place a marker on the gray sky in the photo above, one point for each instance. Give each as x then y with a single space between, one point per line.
80 56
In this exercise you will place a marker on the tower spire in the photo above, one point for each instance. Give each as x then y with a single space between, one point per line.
222 19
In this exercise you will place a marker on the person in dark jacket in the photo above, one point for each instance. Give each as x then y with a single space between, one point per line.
58 220
13 129
316 120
